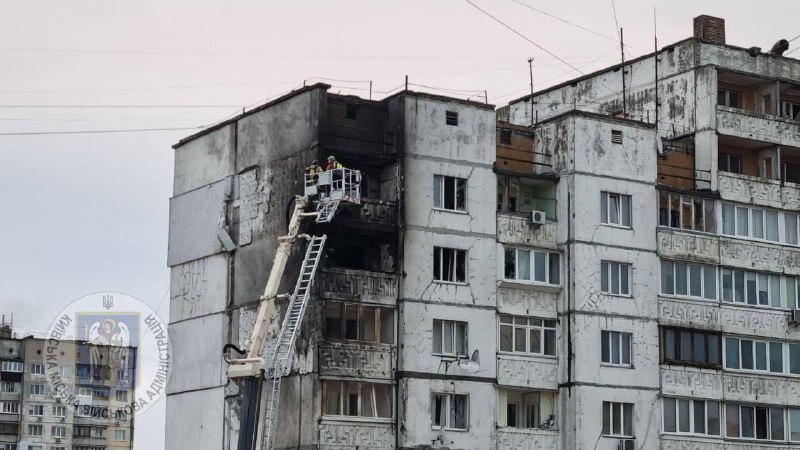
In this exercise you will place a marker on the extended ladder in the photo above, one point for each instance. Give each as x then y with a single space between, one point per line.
326 211
284 350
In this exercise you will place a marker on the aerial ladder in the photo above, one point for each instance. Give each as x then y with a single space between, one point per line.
323 191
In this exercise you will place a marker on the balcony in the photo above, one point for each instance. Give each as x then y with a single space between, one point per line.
358 285
677 244
516 228
373 215
673 442
345 435
758 191
527 371
517 439
756 126
730 386
758 255
357 360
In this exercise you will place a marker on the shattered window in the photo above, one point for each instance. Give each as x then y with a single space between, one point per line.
530 265
450 411
449 265
357 399
449 193
355 322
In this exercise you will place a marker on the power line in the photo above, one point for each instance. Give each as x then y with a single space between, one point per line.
566 21
132 130
120 106
523 36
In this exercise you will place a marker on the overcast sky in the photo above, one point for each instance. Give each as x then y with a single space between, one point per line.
88 212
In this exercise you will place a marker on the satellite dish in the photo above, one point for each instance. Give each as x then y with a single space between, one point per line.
471 365
659 146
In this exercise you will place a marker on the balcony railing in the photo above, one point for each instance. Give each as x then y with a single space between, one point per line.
356 360
374 214
761 127
343 435
530 372
516 228
731 386
678 244
759 191
358 285
517 439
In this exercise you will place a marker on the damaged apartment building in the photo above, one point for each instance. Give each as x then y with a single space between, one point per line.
610 263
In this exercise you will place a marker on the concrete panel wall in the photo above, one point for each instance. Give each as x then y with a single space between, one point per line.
204 160
634 159
589 412
197 361
195 420
194 220
199 287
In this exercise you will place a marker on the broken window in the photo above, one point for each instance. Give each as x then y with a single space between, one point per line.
728 98
450 411
616 136
451 117
449 265
616 348
693 347
449 193
532 266
449 338
529 335
755 422
356 398
691 416
686 212
729 163
526 409
615 209
790 110
520 195
353 322
618 419
615 278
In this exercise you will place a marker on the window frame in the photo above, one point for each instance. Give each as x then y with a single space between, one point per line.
623 205
755 419
757 277
12 366
458 254
361 309
546 332
692 413
607 339
678 346
459 189
767 346
35 426
39 387
671 266
460 330
726 101
728 157
447 409
342 399
629 420
549 256
707 207
606 272
752 212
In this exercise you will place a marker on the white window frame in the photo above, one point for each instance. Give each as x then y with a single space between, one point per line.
692 403
58 431
448 403
59 411
767 345
341 395
618 409
10 387
439 193
759 279
622 202
12 366
37 389
547 329
739 406
9 407
674 266
454 269
616 339
37 369
35 430
36 411
531 255
727 101
748 231
120 435
459 332
606 271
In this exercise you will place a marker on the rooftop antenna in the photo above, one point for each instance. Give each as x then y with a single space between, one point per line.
655 63
622 52
530 69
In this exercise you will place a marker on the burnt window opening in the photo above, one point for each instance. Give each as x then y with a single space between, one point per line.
616 136
354 322
505 136
449 265
351 111
451 118
364 253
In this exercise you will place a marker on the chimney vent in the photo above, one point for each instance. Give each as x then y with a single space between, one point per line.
710 29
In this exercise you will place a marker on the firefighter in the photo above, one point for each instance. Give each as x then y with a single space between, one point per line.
314 168
333 164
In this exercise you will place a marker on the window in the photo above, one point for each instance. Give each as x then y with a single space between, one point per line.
505 136
729 163
521 195
752 288
790 110
450 411
686 212
688 280
449 338
351 111
451 117
754 422
352 322
532 266
618 419
794 425
34 430
58 431
449 265
9 407
37 389
82 431
12 366
8 445
528 335
691 347
37 369
794 358
749 354
37 447
749 222
525 409
616 348
691 416
449 193
9 387
122 396
357 399
615 209
616 136
728 98
36 410
790 228
59 411
120 435
615 278
99 432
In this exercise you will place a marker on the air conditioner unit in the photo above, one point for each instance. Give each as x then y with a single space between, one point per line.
538 217
794 316
627 444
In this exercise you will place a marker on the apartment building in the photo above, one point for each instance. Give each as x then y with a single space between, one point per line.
609 263
34 418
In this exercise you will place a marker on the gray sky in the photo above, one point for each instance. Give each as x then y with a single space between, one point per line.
88 212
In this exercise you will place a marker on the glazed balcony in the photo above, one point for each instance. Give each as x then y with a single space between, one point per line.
357 359
357 286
